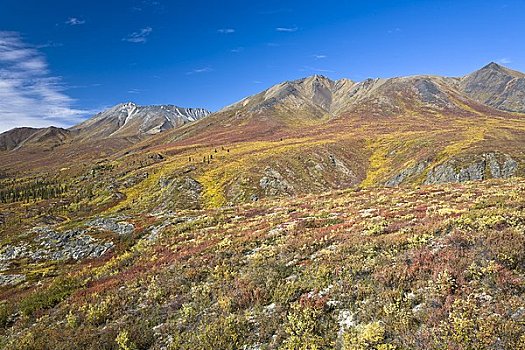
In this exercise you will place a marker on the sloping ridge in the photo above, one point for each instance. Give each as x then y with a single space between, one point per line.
316 94
133 121
298 105
496 86
125 121
38 137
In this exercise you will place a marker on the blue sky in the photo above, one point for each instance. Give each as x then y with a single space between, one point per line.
61 61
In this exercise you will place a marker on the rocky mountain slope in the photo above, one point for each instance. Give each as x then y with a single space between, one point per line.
131 120
383 214
315 134
496 86
126 120
312 135
43 137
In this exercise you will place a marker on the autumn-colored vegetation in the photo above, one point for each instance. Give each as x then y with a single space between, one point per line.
273 233
437 267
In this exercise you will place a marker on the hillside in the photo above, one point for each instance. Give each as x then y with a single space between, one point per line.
427 268
131 120
305 136
496 86
314 134
382 214
46 138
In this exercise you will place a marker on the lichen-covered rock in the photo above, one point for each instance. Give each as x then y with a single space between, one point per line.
340 166
416 169
442 173
112 224
475 171
69 245
11 280
273 183
180 192
482 167
12 252
509 168
51 245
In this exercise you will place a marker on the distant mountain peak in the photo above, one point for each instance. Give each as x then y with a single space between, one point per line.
492 65
131 120
496 86
496 67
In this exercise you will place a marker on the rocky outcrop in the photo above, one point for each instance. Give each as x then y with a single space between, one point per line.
273 183
69 245
490 165
414 170
51 245
112 224
11 280
501 168
180 192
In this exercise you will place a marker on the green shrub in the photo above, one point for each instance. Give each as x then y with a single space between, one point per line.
376 228
306 329
371 336
57 291
224 333
6 310
123 341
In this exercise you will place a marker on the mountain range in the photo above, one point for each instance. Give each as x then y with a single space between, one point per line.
125 120
317 214
302 136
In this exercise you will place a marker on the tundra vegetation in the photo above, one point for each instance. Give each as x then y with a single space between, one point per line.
433 267
267 225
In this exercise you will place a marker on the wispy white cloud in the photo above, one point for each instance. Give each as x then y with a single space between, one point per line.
49 44
315 69
139 37
29 94
504 60
74 21
200 70
320 57
395 30
85 86
287 29
135 91
237 50
226 30
145 4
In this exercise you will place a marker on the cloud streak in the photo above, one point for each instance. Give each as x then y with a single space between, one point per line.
73 21
237 49
286 29
139 37
200 70
315 69
145 4
29 94
504 60
226 30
